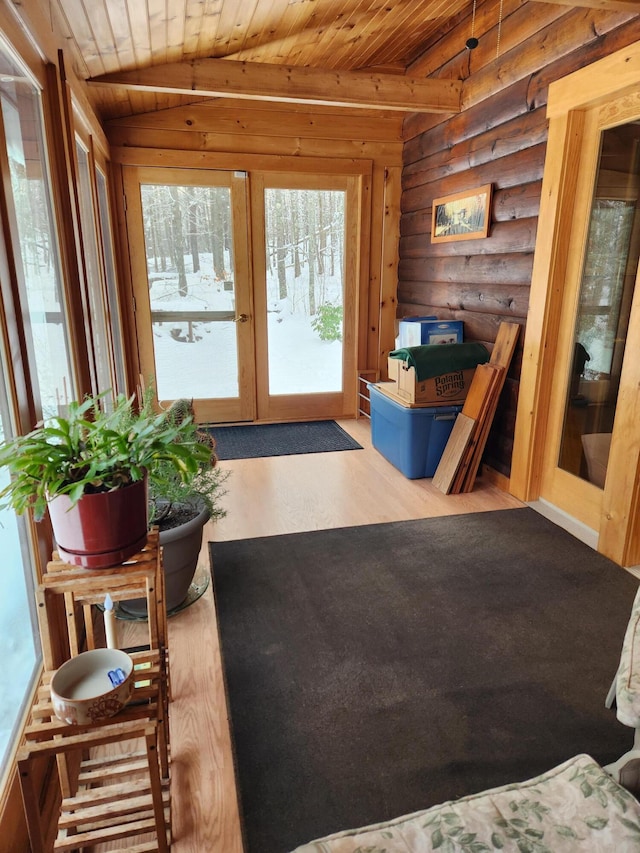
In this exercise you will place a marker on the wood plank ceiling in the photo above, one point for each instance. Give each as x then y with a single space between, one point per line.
382 37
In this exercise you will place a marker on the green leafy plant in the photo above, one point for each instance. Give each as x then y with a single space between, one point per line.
328 322
172 498
96 449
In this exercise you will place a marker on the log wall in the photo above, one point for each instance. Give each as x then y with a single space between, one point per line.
498 138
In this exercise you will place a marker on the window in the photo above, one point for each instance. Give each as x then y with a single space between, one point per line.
99 342
34 238
35 295
19 638
110 279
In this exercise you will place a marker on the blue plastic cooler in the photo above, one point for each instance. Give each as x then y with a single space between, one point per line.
411 439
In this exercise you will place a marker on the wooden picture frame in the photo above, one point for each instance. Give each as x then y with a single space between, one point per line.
461 216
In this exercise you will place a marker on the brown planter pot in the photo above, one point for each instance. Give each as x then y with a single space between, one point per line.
180 550
101 530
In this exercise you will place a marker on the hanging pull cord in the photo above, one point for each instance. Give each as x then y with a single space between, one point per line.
499 29
472 42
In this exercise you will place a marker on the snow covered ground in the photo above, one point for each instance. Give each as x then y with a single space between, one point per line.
201 361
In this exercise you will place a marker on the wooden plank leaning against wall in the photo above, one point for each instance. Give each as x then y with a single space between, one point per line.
499 138
231 134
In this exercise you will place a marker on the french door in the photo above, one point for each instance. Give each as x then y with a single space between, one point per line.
246 290
188 243
577 443
601 307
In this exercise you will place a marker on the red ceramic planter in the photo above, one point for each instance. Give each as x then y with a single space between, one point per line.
101 530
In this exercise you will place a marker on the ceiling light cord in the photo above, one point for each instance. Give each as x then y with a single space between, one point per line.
472 41
499 29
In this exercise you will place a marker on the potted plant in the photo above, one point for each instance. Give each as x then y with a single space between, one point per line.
180 507
90 469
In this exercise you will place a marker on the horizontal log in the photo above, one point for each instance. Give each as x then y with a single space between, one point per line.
504 238
477 327
294 146
519 202
518 25
567 34
605 5
505 269
518 28
224 116
498 452
505 105
600 47
528 90
521 168
510 300
521 132
454 34
415 222
289 84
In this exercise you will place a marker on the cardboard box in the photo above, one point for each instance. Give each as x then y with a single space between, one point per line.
413 440
411 329
419 331
447 389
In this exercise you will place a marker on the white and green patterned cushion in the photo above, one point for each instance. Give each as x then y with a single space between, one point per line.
574 807
628 677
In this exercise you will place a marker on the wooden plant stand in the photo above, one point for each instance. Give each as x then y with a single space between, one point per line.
110 798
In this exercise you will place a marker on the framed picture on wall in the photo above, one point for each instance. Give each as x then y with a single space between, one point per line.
461 216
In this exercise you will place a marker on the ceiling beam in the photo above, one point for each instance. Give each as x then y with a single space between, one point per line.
602 5
291 84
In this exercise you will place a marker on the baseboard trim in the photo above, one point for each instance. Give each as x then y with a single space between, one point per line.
496 479
563 519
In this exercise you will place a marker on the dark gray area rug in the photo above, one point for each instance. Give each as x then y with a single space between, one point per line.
250 441
374 671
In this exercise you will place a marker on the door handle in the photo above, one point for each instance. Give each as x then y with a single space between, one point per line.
242 318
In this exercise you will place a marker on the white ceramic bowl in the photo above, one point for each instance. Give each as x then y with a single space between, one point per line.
86 690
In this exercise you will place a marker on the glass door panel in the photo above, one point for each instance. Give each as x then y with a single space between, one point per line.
304 237
306 275
189 251
196 299
604 306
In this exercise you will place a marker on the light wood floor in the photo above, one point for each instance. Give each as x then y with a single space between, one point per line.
266 497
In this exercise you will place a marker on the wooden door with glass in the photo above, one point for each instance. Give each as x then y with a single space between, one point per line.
600 301
577 444
305 254
188 241
246 290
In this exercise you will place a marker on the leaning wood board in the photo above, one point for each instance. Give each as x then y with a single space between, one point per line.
493 382
460 461
447 469
461 444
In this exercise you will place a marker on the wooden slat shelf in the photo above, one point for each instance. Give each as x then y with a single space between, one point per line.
364 404
116 799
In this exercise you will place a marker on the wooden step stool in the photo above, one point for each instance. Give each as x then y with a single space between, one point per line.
117 798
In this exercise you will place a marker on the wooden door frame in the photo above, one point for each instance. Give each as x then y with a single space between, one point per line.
318 405
613 79
241 408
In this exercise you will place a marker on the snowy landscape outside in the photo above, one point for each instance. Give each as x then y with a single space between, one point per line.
198 358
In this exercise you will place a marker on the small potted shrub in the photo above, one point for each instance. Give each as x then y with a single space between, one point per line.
90 470
180 507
